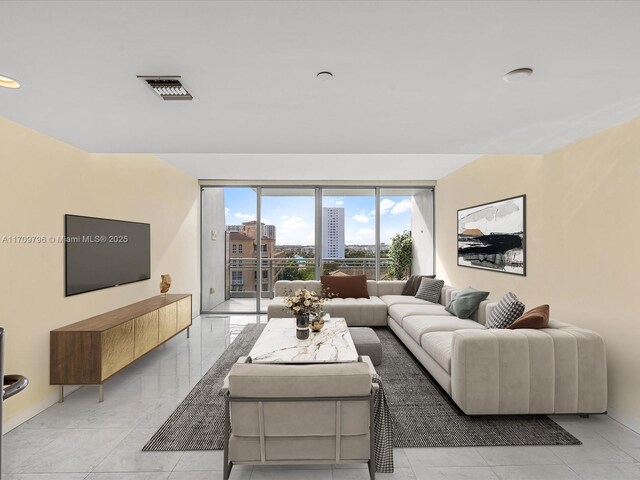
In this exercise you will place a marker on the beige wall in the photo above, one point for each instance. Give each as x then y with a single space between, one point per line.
41 180
583 228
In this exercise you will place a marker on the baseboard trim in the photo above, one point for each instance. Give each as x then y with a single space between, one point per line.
21 417
626 420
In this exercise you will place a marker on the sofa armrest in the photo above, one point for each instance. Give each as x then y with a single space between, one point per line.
225 382
528 371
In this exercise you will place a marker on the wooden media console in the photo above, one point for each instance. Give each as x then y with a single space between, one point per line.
90 351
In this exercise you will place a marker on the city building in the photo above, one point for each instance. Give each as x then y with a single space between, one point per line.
242 258
268 231
332 232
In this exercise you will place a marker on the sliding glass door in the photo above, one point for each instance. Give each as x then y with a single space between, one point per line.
230 250
289 215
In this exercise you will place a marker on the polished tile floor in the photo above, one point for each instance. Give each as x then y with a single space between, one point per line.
82 439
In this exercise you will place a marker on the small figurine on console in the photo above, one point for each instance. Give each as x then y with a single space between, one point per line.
165 284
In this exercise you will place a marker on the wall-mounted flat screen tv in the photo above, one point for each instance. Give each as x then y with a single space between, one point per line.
102 253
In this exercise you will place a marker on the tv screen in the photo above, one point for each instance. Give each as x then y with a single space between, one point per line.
102 253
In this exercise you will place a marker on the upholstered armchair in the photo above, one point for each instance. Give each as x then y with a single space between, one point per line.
299 414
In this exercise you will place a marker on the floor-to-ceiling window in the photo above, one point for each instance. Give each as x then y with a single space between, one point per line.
407 210
255 236
348 231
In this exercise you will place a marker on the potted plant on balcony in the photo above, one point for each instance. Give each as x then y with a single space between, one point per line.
400 255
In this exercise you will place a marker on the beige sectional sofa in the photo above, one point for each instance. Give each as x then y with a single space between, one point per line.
560 369
358 312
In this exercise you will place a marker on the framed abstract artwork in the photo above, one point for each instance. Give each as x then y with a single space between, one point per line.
492 236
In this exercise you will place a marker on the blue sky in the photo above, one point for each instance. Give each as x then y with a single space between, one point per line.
293 216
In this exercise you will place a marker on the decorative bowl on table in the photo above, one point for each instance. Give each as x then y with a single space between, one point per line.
316 324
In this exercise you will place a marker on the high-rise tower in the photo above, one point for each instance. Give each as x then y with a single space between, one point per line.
333 232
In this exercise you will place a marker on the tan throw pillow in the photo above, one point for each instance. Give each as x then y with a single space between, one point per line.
535 318
350 286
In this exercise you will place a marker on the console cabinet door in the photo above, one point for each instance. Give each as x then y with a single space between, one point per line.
117 348
167 322
184 313
145 333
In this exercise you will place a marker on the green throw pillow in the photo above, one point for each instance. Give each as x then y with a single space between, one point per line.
466 302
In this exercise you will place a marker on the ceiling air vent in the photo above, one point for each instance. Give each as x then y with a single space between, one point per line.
167 88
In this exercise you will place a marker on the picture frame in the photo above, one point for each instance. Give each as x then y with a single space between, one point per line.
492 236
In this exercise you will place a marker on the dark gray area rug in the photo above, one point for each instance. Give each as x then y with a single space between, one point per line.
423 415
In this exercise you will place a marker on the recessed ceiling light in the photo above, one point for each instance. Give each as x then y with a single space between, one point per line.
8 82
518 74
324 76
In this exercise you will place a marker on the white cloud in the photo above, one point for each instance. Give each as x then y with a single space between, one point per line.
339 202
361 217
293 223
386 204
227 211
401 207
294 230
267 221
385 236
245 217
363 236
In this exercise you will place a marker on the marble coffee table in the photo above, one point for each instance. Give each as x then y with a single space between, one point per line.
278 343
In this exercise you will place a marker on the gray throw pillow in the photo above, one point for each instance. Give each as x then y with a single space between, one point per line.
430 289
466 302
507 311
413 283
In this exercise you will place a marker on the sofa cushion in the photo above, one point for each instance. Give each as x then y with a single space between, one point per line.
349 286
418 325
400 311
413 283
438 345
430 289
505 312
465 303
535 318
358 312
278 309
390 287
403 299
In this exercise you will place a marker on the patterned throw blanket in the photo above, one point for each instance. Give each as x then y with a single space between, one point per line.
383 430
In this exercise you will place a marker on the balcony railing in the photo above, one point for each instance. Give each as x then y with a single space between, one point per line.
293 269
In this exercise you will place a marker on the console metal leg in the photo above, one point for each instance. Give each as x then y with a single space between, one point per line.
188 332
60 393
100 393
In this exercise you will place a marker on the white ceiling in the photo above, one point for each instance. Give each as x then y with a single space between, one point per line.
419 78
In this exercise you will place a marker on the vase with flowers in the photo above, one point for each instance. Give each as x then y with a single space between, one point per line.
304 303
